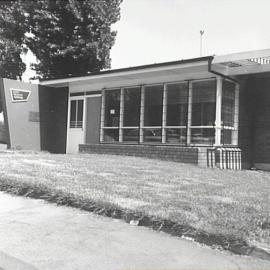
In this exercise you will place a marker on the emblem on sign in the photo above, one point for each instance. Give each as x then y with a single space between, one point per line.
18 95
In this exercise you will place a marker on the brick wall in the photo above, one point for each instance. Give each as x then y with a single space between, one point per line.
262 122
254 125
246 120
179 154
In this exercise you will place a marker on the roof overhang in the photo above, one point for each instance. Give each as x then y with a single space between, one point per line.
252 62
182 67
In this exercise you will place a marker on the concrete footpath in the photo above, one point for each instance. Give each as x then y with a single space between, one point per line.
38 235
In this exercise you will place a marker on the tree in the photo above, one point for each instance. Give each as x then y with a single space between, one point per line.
70 37
11 39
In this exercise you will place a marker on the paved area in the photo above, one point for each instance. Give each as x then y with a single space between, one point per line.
38 235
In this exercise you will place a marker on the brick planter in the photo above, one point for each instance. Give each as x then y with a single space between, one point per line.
179 154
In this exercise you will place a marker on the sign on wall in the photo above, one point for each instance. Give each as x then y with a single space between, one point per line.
18 95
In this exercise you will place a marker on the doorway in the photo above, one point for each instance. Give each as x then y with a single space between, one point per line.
75 134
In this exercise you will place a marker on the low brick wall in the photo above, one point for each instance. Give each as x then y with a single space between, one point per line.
179 154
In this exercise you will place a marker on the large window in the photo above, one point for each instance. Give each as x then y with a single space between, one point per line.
112 115
153 108
203 112
131 114
181 113
228 112
177 113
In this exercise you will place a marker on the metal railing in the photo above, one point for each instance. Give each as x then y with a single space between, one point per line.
224 158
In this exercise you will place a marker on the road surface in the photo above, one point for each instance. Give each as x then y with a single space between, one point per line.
38 235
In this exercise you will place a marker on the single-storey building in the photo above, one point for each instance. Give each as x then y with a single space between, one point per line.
211 111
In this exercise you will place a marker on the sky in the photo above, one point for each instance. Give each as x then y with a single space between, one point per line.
153 31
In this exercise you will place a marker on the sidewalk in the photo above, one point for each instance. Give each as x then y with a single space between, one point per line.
47 236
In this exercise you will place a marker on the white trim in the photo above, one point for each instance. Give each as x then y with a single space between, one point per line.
152 127
185 81
111 89
142 114
178 82
218 123
189 121
236 115
121 114
76 97
68 123
204 79
128 87
84 119
95 95
102 116
164 113
202 127
142 70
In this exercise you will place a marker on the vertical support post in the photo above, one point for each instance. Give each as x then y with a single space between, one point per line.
189 121
68 122
102 117
142 114
84 118
121 119
218 125
236 115
164 113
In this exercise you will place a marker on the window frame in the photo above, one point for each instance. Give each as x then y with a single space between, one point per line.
164 127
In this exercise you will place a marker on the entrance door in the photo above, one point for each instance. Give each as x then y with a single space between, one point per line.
93 119
75 134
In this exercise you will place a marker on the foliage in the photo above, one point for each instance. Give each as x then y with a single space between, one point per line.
11 39
68 37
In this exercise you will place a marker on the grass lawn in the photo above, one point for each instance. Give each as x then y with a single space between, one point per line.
217 201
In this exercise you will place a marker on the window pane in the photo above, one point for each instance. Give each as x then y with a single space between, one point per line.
73 110
153 105
176 135
228 101
80 110
132 104
204 103
152 135
131 135
226 136
111 135
203 136
79 113
177 104
112 108
73 106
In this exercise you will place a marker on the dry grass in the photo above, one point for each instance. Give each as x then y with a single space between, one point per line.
223 202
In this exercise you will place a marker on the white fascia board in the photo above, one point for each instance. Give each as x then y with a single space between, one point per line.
123 74
241 56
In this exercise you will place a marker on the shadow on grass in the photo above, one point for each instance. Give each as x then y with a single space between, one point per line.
222 242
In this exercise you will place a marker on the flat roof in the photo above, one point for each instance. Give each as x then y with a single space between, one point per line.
125 70
242 63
